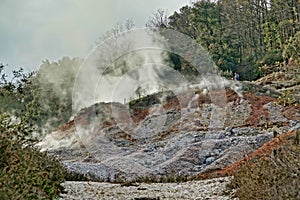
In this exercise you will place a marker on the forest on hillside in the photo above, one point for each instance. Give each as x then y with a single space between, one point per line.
243 36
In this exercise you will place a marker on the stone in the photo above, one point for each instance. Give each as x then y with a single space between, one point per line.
158 144
210 160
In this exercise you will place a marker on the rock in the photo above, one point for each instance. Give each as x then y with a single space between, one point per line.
160 142
293 123
216 152
209 160
275 113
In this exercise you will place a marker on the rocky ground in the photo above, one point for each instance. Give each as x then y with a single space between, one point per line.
193 133
214 189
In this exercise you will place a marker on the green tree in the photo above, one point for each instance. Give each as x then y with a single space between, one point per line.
52 87
15 100
240 35
292 48
215 35
25 172
204 21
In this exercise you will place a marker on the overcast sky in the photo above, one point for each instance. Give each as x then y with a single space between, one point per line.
35 30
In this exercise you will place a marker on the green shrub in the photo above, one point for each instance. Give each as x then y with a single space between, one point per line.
271 177
227 74
26 173
286 99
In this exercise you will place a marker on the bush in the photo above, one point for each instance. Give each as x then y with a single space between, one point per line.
270 177
286 99
26 173
227 74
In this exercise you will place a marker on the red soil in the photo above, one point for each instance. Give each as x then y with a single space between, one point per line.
258 112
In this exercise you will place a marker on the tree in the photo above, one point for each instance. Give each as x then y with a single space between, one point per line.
159 19
52 87
214 34
291 49
25 172
205 22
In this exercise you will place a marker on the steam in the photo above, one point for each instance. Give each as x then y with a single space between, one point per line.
237 87
57 140
119 66
195 98
133 64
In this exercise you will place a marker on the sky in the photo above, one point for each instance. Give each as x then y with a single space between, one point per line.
35 30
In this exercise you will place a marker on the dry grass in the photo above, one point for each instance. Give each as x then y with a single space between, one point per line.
26 173
272 176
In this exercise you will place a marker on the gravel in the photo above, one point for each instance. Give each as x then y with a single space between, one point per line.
214 189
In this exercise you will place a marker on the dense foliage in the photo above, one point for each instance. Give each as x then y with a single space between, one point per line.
25 173
43 99
27 103
239 35
271 177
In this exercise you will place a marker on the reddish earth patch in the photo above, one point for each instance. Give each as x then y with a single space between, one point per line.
231 95
67 126
292 112
172 104
263 151
108 123
140 112
123 135
139 115
218 97
257 110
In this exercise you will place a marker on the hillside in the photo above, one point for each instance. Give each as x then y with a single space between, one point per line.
180 127
169 139
283 79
